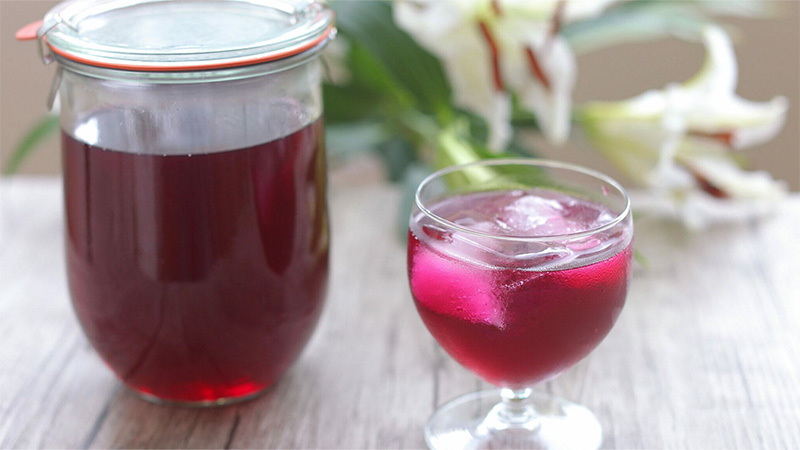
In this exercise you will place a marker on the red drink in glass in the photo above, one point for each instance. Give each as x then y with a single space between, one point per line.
198 277
519 268
194 183
517 318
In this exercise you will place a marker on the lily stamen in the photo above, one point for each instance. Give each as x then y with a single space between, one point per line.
724 137
536 69
496 8
495 56
558 15
706 186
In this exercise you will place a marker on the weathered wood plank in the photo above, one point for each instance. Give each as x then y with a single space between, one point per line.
702 357
364 381
44 395
705 355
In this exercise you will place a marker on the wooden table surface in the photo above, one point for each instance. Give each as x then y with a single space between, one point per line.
706 353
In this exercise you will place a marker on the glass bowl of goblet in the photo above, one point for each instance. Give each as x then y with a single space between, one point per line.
519 269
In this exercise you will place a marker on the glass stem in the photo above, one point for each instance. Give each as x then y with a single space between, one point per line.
514 412
516 409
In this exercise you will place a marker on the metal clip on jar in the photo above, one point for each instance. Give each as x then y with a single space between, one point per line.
194 184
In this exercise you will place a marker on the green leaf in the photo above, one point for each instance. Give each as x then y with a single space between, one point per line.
347 104
370 92
519 149
634 22
415 70
521 116
741 8
412 177
45 128
397 156
348 140
641 259
371 73
454 148
477 133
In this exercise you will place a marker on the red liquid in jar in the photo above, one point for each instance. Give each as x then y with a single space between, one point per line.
198 277
514 326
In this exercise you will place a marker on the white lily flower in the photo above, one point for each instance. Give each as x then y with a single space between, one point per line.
681 140
489 48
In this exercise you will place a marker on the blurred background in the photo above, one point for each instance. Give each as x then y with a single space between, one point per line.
768 53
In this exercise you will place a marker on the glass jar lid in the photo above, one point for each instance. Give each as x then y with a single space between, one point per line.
184 35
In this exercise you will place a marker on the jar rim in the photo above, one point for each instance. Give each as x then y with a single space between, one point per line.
184 35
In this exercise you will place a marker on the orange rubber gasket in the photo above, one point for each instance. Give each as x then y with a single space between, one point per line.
190 67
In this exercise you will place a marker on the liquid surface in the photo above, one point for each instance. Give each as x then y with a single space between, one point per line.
202 277
526 213
518 313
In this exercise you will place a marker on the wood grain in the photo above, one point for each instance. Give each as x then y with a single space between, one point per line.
705 355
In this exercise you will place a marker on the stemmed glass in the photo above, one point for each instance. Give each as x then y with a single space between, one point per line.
518 268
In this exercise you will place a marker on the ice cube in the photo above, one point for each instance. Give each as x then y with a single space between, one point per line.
542 213
545 258
455 288
585 216
437 232
531 215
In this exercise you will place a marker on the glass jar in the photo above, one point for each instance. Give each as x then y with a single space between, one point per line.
194 185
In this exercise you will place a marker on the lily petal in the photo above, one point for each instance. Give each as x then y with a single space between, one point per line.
749 123
704 113
720 171
679 140
719 72
553 105
489 47
449 31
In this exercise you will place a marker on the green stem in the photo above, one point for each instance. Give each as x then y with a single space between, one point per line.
42 130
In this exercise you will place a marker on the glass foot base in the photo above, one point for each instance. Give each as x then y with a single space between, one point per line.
477 421
225 401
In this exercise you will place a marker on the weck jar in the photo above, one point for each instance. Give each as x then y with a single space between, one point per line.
194 186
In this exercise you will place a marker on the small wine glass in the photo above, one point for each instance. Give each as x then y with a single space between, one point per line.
519 269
